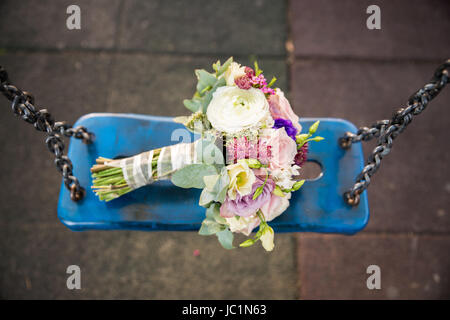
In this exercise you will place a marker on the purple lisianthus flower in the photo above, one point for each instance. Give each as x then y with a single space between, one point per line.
287 125
245 206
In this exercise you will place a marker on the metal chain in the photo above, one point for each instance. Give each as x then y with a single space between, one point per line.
387 130
23 106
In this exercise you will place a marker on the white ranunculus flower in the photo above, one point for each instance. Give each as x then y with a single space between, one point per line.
232 109
234 71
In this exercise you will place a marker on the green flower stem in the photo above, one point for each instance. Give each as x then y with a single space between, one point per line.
109 183
262 227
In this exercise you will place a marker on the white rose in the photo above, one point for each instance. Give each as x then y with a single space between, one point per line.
234 71
241 179
232 109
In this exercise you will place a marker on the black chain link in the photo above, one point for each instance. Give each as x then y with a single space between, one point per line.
387 130
23 106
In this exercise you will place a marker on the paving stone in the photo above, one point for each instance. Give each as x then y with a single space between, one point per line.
158 84
42 24
410 191
412 266
132 265
68 85
198 26
409 29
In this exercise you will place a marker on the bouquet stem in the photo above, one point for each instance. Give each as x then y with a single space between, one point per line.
108 180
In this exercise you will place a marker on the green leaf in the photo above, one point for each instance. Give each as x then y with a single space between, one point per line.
314 127
258 192
272 82
225 66
208 96
209 227
205 79
209 153
222 186
191 176
210 182
258 71
213 213
277 191
217 192
216 66
206 198
193 105
225 238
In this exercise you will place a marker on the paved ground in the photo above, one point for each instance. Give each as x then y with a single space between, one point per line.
138 56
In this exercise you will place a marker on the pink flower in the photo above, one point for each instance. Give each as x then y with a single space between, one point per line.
281 108
283 148
261 83
246 206
249 72
243 148
243 82
302 155
276 206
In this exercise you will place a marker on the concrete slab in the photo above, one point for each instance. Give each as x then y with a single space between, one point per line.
213 27
42 24
411 266
140 265
158 84
409 29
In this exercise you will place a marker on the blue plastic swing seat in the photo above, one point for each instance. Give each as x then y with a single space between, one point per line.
317 207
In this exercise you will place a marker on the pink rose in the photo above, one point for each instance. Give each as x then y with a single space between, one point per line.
283 148
281 108
276 206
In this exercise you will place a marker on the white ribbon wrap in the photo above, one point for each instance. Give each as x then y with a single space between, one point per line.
140 170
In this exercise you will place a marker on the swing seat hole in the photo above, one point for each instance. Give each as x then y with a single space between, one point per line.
310 171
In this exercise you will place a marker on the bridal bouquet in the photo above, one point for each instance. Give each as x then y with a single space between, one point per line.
247 157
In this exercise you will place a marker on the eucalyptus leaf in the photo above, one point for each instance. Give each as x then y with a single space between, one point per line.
213 213
209 153
210 182
209 94
209 227
191 176
225 66
206 198
193 105
225 238
205 79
